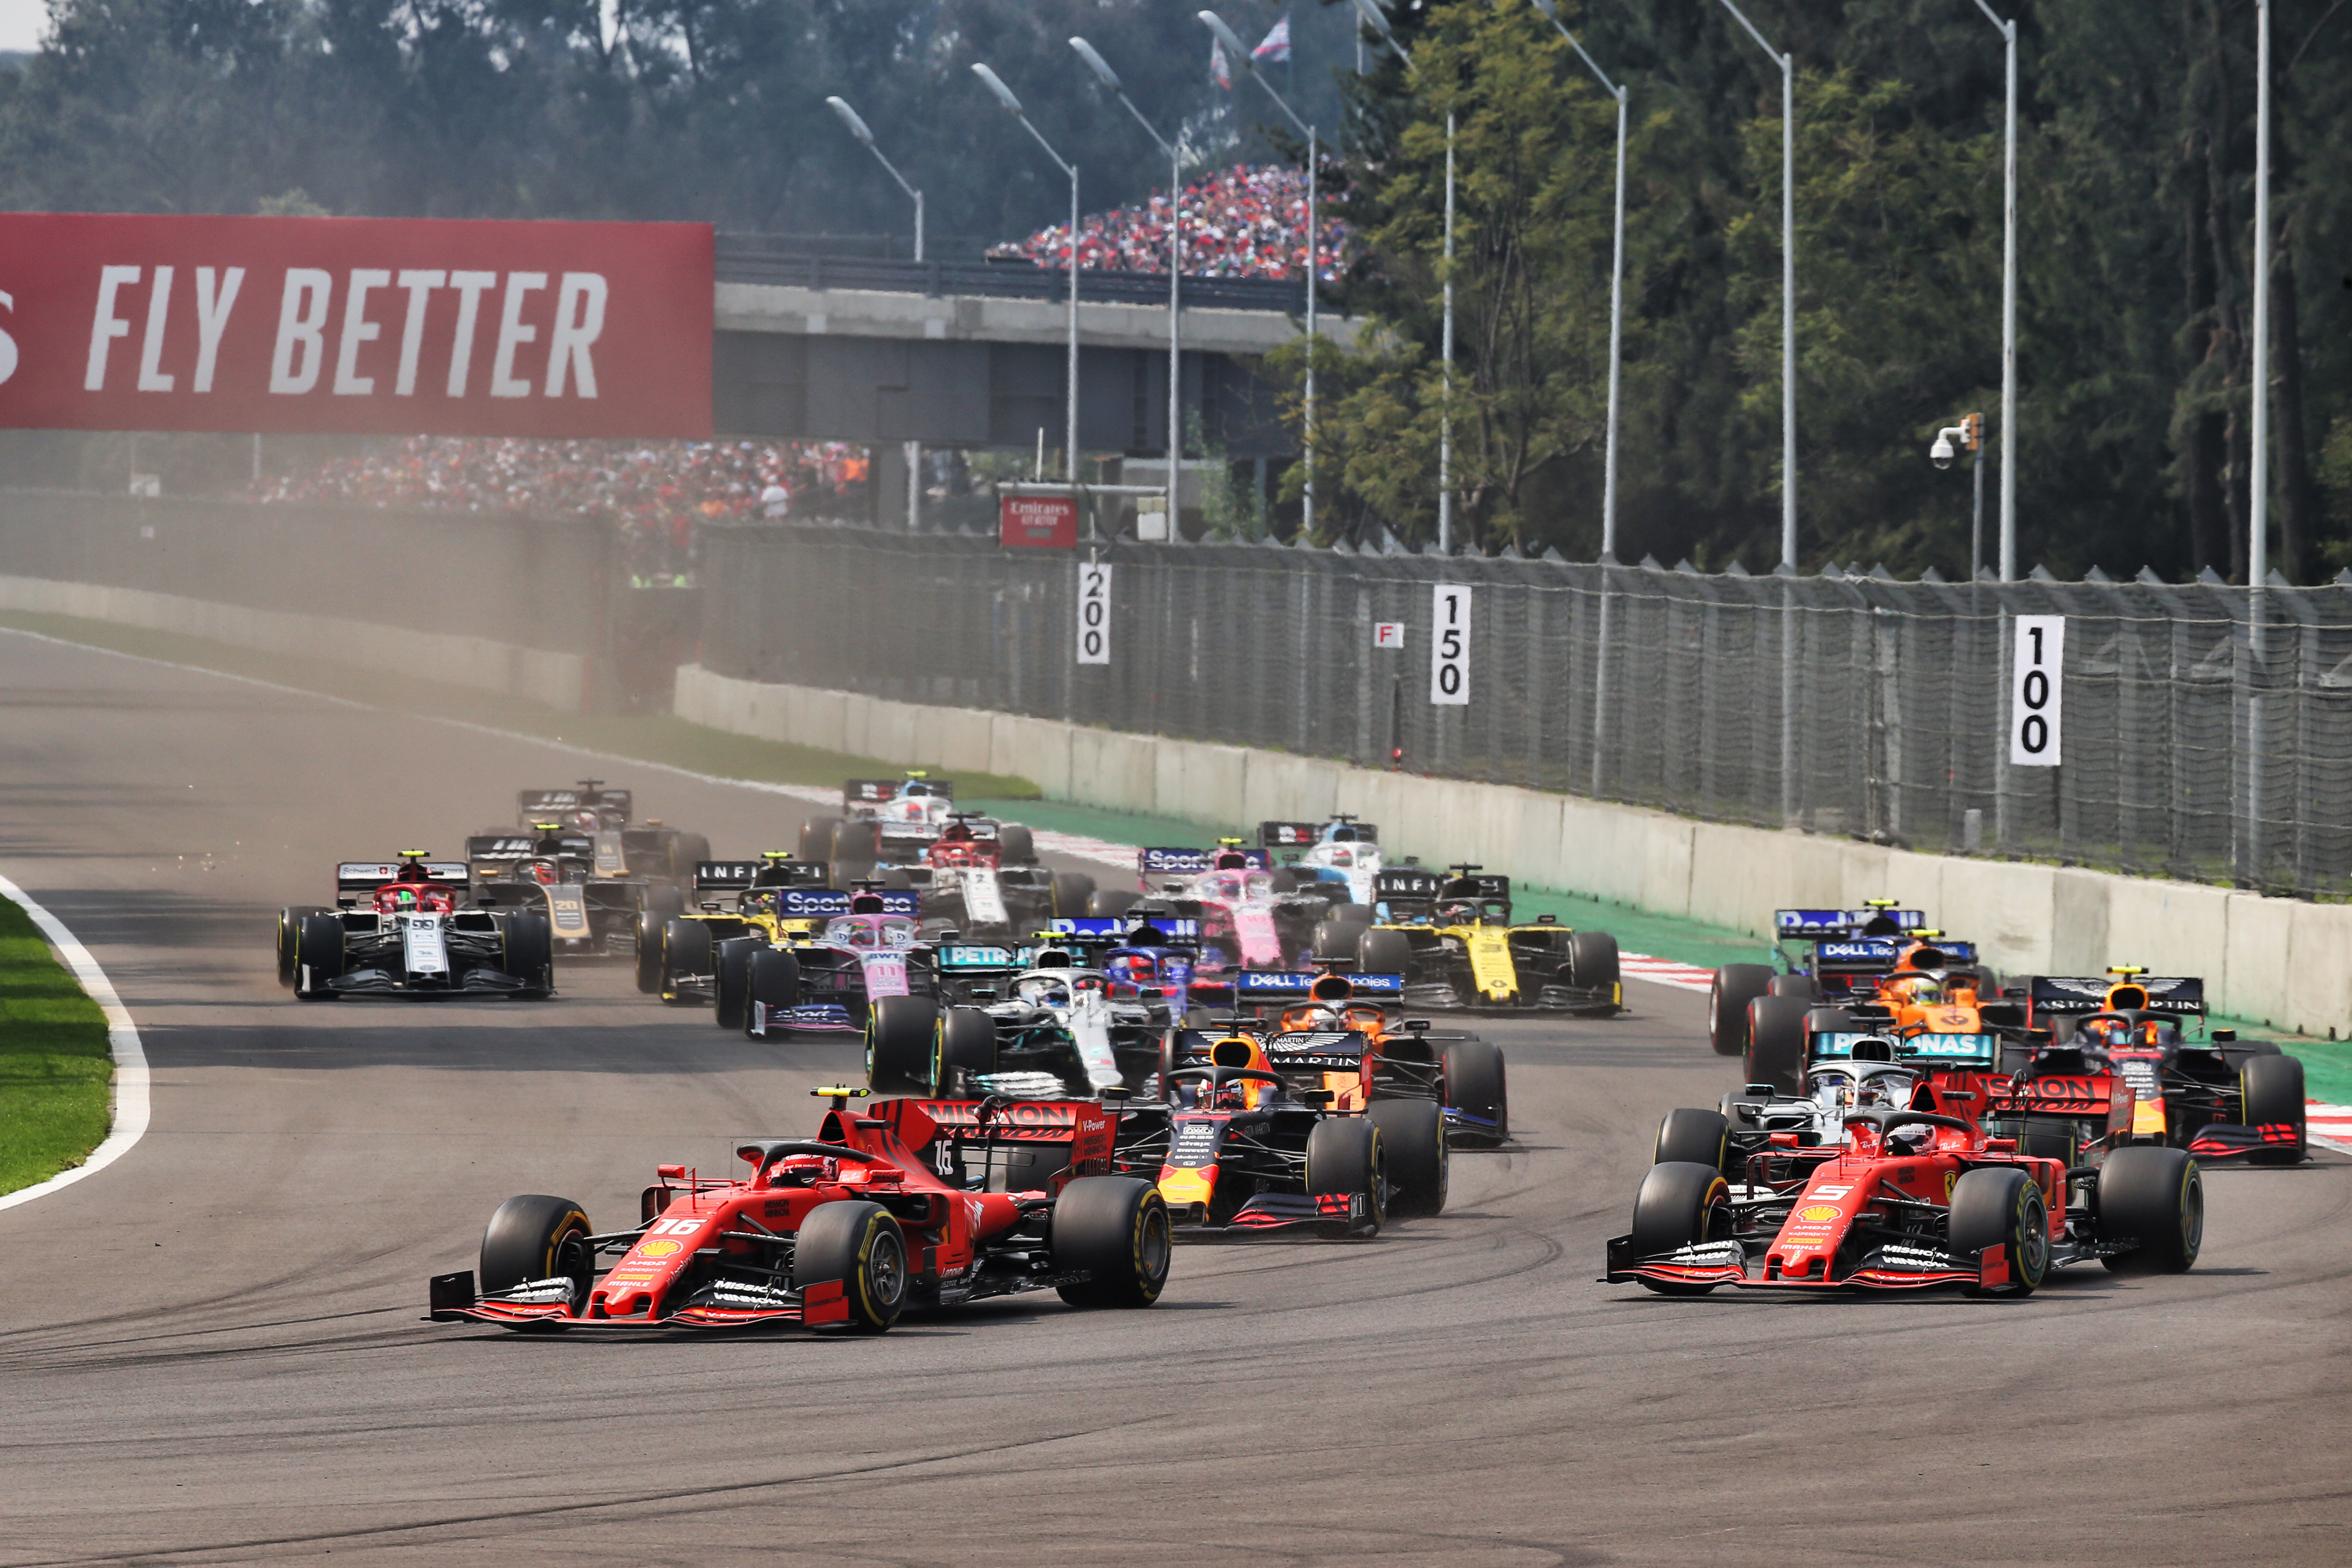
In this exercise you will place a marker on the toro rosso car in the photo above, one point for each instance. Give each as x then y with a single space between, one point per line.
920 1204
399 931
1454 942
1904 1200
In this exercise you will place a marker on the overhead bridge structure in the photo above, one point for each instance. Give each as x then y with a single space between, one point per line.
972 354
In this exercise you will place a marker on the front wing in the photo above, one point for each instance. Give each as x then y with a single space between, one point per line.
452 1299
1334 1216
1892 1267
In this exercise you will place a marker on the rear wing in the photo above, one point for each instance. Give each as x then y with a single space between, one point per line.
366 877
824 903
1179 861
1405 882
1270 986
1794 925
509 846
1479 886
719 875
2074 993
968 957
881 791
539 804
1837 1046
1116 928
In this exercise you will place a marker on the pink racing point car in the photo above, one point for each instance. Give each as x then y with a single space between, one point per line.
1251 915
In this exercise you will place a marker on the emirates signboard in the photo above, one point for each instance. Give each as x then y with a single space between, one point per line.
1049 522
397 326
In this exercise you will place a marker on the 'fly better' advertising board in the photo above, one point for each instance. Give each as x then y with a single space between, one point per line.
401 326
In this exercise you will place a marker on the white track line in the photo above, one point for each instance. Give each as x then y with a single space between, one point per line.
130 1095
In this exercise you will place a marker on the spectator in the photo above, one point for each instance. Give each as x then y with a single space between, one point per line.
1237 223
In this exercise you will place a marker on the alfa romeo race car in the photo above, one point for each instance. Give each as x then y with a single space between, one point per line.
1339 1032
969 888
919 1203
399 930
1908 1199
622 846
1453 941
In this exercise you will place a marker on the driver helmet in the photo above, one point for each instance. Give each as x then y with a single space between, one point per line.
1458 913
2103 1031
1042 991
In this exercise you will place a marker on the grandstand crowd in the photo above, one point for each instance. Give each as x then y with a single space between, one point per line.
1240 222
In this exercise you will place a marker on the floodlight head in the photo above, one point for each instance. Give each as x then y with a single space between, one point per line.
1550 11
1096 64
1375 19
849 118
996 85
1227 37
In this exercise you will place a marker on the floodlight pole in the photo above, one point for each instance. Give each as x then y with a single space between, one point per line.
1616 291
1787 64
2258 537
857 128
2008 308
1234 47
1005 95
1109 79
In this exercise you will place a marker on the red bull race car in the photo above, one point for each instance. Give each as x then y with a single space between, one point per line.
920 1203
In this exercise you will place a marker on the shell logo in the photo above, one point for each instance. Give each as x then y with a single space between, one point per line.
656 1248
1819 1213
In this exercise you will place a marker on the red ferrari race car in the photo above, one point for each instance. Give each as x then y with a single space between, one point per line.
1909 1199
922 1204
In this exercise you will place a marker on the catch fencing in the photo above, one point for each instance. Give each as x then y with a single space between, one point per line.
2206 732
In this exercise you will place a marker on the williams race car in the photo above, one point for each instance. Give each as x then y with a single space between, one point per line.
919 1203
1454 942
400 930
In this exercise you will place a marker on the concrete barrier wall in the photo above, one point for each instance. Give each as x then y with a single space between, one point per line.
2279 961
558 679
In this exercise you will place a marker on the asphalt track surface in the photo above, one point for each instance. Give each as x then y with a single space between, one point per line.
212 1352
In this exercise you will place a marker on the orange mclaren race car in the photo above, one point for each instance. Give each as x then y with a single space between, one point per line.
920 1203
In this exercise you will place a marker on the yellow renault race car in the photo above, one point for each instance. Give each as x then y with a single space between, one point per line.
1452 939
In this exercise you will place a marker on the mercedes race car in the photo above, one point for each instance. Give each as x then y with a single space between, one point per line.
401 929
918 1204
1453 940
1906 1199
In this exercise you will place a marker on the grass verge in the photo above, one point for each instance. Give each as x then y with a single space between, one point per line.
651 738
55 1068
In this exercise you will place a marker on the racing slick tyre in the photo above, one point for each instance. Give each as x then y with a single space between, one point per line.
1412 1132
1113 1229
731 991
1798 985
1735 985
772 978
318 956
1338 934
2001 1207
1592 961
816 837
1110 903
861 1245
668 899
2269 1091
536 1236
2153 1195
900 1033
1380 952
1776 1042
1675 1207
1688 1137
686 850
1344 1156
1476 1086
649 951
529 943
965 1045
1015 845
290 937
684 950
1071 891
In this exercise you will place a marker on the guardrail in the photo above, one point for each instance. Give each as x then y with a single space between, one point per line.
743 259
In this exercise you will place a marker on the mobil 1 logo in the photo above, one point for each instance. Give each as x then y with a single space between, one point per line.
2037 685
1449 647
1094 612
